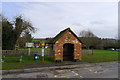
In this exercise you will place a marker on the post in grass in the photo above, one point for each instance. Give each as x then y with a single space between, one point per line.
43 44
29 45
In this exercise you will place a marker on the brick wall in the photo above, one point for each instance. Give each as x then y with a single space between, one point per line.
68 37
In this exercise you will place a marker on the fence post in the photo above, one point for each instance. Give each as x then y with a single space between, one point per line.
92 51
29 51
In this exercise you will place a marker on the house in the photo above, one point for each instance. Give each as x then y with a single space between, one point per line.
66 46
38 41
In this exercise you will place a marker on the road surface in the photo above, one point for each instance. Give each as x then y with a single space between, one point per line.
93 70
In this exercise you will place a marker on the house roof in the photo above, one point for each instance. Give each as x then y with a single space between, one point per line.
62 33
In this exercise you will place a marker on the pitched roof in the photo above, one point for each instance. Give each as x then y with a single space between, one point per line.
62 33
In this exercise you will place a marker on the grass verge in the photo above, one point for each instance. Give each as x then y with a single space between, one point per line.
101 56
26 61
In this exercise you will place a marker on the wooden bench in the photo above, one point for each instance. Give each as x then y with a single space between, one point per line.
19 58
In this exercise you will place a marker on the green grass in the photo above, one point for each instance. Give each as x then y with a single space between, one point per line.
98 56
27 60
101 56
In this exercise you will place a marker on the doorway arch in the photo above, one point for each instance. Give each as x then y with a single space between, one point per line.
68 52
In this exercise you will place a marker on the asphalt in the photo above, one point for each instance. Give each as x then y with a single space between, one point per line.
75 70
56 64
35 68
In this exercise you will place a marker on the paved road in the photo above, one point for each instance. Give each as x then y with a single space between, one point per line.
97 70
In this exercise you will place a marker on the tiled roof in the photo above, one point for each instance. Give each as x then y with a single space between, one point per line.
61 34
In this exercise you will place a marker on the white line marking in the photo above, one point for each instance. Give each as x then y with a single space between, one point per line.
95 72
76 74
73 72
81 76
55 76
90 70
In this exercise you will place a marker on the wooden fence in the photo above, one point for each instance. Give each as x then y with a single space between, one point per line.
90 52
32 52
23 52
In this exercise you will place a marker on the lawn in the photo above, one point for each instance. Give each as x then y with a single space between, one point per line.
27 60
101 56
98 56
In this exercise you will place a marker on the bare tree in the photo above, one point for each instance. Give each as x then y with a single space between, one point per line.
89 39
87 33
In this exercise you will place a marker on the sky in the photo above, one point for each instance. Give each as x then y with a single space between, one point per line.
51 17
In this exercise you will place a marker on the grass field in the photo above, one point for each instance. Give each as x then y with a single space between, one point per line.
101 56
98 56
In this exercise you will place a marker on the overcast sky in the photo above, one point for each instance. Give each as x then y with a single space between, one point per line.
51 17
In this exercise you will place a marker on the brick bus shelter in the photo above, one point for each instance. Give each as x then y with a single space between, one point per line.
66 46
